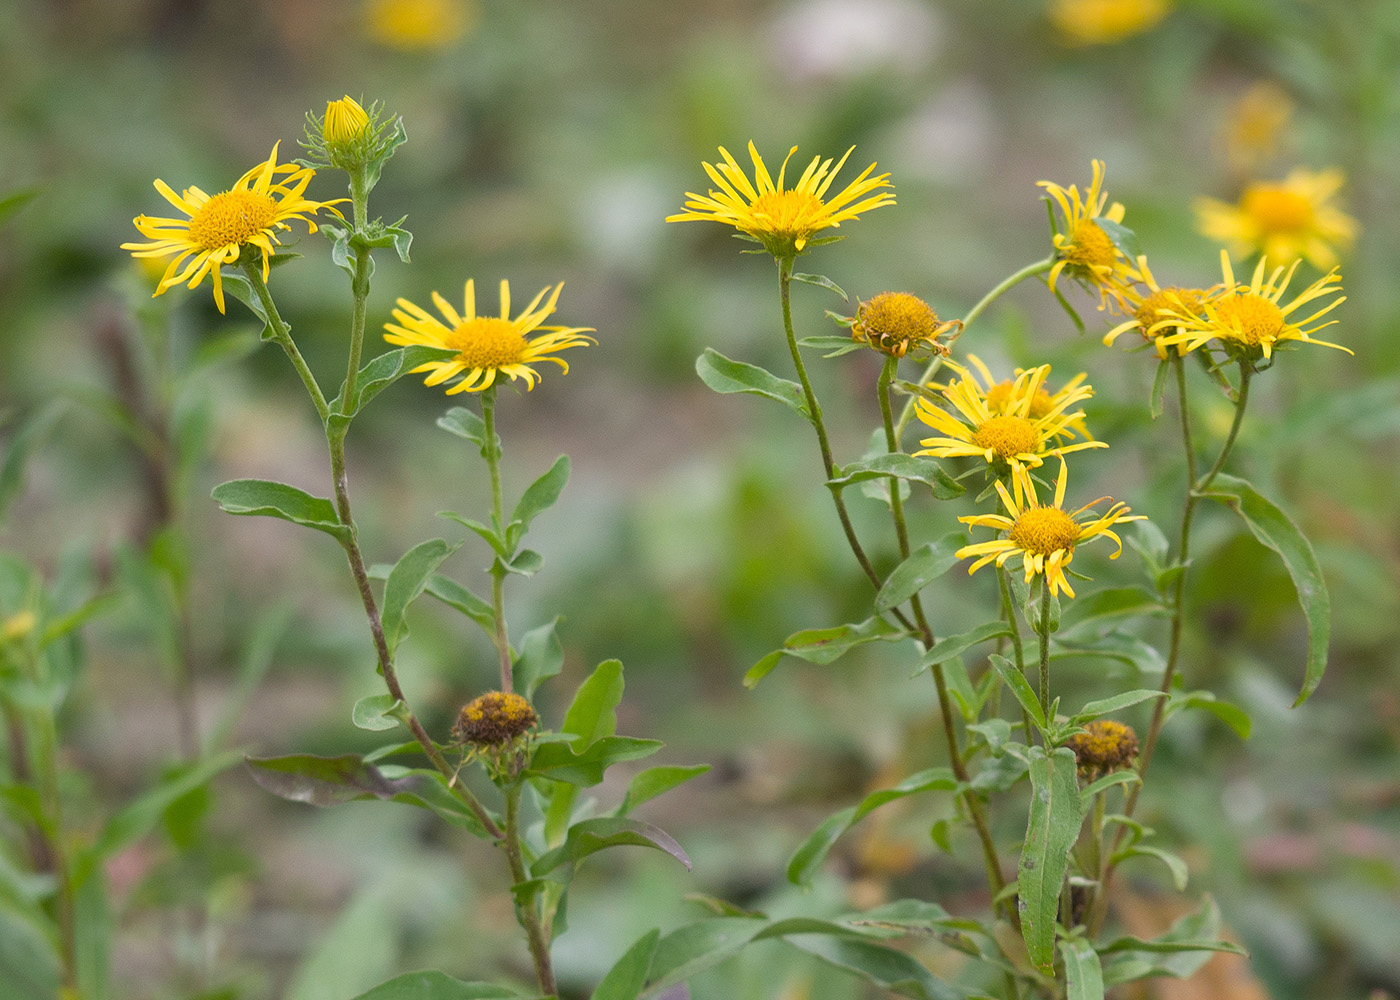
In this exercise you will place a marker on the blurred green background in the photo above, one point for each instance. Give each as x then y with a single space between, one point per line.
547 141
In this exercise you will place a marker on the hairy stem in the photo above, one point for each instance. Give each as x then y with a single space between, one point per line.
492 451
526 912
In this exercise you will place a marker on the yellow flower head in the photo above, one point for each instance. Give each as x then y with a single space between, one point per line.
783 219
486 345
1255 126
220 227
1101 22
1104 746
1295 217
894 323
345 121
1083 249
1002 400
1156 313
997 423
1044 535
1252 320
414 25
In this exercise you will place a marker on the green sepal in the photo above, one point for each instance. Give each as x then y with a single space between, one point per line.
724 375
271 499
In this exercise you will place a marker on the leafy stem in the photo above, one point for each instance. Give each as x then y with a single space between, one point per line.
526 913
1008 613
491 450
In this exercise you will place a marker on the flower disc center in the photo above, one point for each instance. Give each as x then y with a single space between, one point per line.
791 212
1251 318
1276 209
1164 305
1043 530
488 342
1007 436
1089 246
232 218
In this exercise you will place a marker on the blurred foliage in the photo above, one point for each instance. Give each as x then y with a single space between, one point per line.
546 143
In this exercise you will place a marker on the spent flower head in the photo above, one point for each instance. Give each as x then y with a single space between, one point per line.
220 228
1250 321
1043 535
1104 746
783 219
495 728
1008 426
1294 217
487 346
895 323
1087 249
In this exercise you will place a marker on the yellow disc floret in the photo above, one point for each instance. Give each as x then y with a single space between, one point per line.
488 342
1044 530
1007 436
895 323
231 219
494 718
1250 318
1105 746
1277 208
1089 246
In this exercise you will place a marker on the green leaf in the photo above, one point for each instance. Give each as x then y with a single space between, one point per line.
1128 777
1104 706
539 497
821 281
259 496
526 562
1156 402
1055 819
434 985
384 370
541 657
955 645
624 981
924 565
591 716
690 950
655 781
901 466
428 789
453 594
835 346
887 968
1083 977
27 440
1180 874
593 835
376 712
558 762
1123 238
1109 605
487 533
1233 716
726 376
15 200
824 645
406 581
808 857
466 424
323 781
237 286
1187 945
1020 687
1273 528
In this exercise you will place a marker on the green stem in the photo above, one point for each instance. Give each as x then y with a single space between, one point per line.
359 286
1044 632
281 333
492 450
1008 610
526 913
814 412
1029 271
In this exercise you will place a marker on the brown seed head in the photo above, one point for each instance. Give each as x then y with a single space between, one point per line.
494 719
1105 746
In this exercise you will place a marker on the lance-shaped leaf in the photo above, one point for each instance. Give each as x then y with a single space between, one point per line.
26 441
259 496
624 981
324 781
1232 715
656 781
453 594
541 657
1187 945
434 985
900 466
593 835
887 968
1176 865
1104 706
1083 977
1021 688
955 645
724 375
465 424
558 761
924 565
821 281
540 496
591 716
824 645
1109 605
807 859
406 581
385 369
1053 828
1272 527
693 948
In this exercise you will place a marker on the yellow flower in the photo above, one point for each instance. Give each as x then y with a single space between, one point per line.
1043 535
783 220
1084 250
1004 434
1100 22
345 121
1001 400
1155 314
1249 320
487 345
1295 217
894 323
1255 125
413 25
220 227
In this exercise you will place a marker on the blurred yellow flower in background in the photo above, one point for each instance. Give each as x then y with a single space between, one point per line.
1249 318
1083 249
486 345
1043 535
1255 126
249 214
411 25
1294 217
783 219
1101 22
